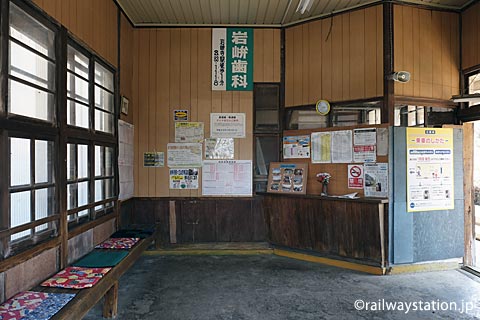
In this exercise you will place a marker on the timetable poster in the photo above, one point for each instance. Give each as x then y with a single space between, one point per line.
429 169
227 178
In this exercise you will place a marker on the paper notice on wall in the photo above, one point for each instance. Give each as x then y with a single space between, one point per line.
382 141
183 178
125 159
296 147
341 146
364 145
376 180
429 169
189 132
184 155
321 147
153 159
227 125
219 148
227 178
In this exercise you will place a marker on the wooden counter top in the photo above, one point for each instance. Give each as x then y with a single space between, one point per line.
327 198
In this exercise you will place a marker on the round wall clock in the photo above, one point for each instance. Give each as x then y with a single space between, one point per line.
323 107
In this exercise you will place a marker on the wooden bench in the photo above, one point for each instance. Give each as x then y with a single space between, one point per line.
107 287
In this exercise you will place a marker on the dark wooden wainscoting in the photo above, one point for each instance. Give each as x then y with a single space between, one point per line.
355 229
188 220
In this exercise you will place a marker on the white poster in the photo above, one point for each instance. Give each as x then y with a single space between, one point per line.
125 160
429 169
183 178
184 155
219 148
219 59
189 132
382 141
321 147
341 146
227 178
227 125
295 147
364 145
376 180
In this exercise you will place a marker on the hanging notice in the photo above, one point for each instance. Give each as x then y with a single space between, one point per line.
341 147
382 141
364 145
227 125
184 178
376 180
296 147
429 169
227 178
232 59
180 115
219 148
153 159
189 132
355 176
184 155
321 147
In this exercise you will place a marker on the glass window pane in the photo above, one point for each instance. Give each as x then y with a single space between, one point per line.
99 192
44 205
31 32
20 212
77 62
82 194
103 121
109 186
71 151
108 161
82 161
19 161
103 99
103 76
99 169
77 88
43 161
30 102
31 67
77 114
83 213
71 196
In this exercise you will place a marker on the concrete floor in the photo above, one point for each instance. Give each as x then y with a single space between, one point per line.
271 287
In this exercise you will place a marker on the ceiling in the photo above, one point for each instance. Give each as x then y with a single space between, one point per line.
260 13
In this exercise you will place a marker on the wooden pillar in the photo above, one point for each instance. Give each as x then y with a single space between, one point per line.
110 305
469 234
388 108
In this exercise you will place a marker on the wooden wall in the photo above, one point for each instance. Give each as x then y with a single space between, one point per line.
337 59
426 44
92 21
471 37
126 65
172 70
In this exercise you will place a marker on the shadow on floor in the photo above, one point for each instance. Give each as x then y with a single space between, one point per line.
271 287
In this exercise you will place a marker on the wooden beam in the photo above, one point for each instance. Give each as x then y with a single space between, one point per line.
469 234
387 112
110 305
173 222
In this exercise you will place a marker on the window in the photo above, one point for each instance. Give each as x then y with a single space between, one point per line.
31 80
104 99
32 185
104 177
422 116
78 97
78 182
473 85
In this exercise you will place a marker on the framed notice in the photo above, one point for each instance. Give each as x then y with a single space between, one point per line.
219 149
296 147
227 125
153 159
227 178
184 155
189 132
287 178
429 169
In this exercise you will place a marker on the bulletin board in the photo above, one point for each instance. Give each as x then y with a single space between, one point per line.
287 178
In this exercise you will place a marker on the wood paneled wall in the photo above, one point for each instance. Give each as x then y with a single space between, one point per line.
337 59
172 70
92 21
471 37
427 45
126 65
